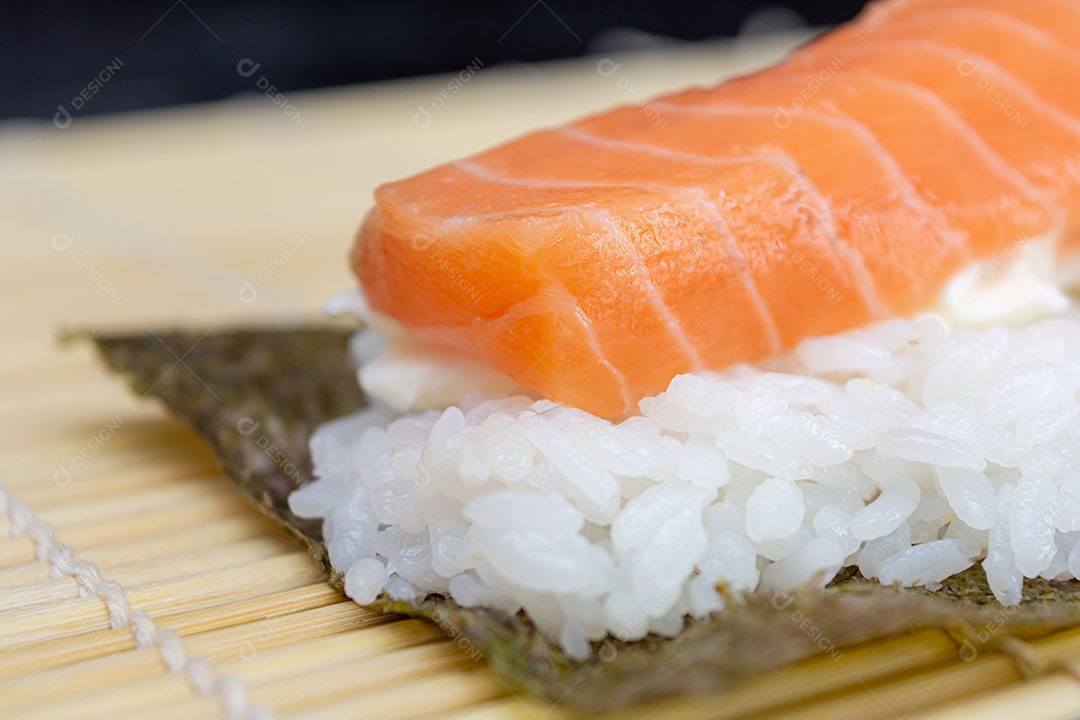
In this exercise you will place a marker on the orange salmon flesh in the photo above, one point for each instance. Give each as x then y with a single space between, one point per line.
849 183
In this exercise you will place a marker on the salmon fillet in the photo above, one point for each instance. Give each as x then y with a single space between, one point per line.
594 262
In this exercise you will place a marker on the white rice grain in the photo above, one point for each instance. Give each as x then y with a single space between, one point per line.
906 449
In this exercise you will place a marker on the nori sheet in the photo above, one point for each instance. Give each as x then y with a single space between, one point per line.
256 394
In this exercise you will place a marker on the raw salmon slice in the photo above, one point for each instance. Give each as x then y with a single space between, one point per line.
594 262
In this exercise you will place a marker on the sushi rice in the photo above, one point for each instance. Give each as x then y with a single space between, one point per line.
908 449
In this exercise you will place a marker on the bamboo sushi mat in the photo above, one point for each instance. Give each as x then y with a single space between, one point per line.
163 218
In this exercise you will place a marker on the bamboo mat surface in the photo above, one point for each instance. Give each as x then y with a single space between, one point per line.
172 218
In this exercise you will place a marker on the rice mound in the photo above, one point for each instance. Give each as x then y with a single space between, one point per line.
907 449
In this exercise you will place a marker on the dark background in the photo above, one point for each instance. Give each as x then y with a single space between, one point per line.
182 51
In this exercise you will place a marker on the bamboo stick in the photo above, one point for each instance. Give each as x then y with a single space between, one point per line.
346 679
247 641
432 697
163 696
292 664
1062 646
1055 697
1053 641
409 665
93 533
116 511
514 707
880 662
64 651
170 568
220 587
100 476
134 502
213 534
139 444
92 484
819 675
342 629
263 607
922 691
165 689
267 663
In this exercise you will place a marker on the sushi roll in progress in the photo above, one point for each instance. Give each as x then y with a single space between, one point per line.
809 319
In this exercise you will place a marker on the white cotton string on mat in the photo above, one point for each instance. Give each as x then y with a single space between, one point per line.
199 670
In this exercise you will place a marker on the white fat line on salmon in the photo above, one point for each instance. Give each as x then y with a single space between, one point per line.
906 189
1004 21
674 326
932 215
967 68
813 84
963 63
607 220
955 56
954 120
720 223
845 252
594 344
199 670
694 196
